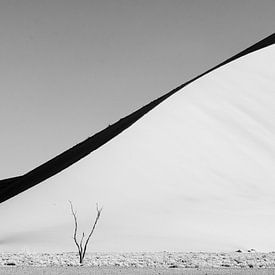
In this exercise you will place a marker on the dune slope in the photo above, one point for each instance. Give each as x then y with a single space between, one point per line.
196 173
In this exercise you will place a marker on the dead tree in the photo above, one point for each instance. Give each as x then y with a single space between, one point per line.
79 245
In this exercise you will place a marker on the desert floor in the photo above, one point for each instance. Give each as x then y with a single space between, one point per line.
202 263
132 270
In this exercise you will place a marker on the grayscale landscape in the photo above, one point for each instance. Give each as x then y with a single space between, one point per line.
137 137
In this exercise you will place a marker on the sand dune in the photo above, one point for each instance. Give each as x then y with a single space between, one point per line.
196 173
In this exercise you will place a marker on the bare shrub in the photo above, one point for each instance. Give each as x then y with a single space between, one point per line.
82 249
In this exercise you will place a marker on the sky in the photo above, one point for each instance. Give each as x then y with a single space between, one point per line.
70 68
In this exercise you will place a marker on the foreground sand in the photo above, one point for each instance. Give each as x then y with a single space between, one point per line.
202 263
164 259
131 270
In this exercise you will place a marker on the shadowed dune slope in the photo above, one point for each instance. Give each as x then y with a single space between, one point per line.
196 173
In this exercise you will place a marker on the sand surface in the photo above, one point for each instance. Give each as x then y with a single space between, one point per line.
163 259
239 263
136 271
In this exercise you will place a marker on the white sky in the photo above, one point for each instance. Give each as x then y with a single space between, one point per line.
70 68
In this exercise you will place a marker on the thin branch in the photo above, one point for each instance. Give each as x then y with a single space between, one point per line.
82 251
81 247
75 228
92 231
